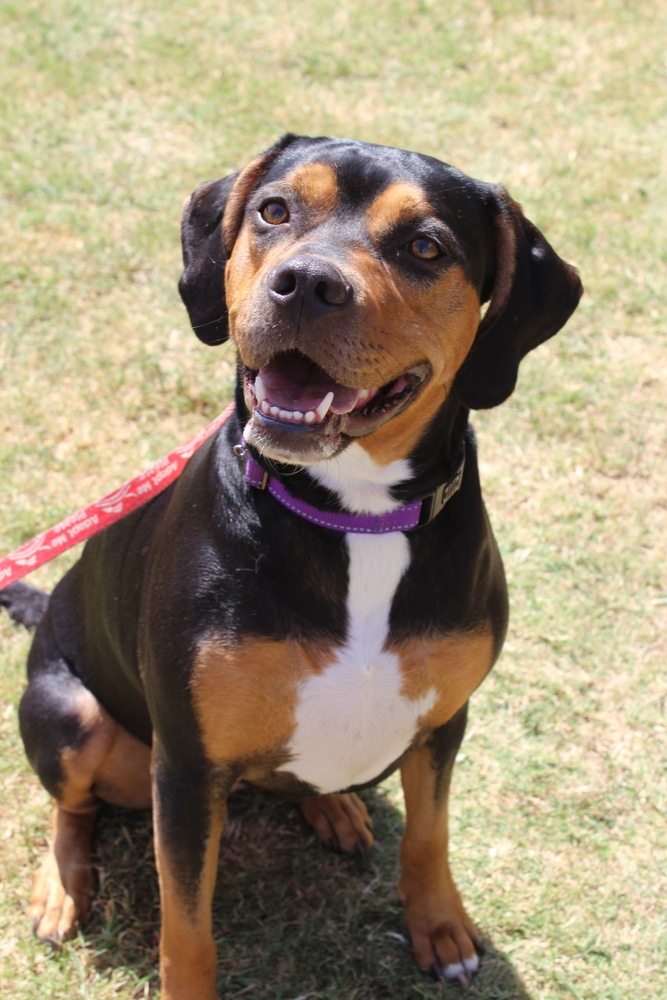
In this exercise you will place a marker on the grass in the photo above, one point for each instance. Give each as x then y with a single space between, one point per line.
109 117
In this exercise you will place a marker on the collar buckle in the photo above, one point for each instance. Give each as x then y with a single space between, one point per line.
433 503
254 473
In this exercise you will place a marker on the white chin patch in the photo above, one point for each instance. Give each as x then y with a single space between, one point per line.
299 448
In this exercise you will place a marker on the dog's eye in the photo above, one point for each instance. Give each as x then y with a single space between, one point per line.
424 248
275 213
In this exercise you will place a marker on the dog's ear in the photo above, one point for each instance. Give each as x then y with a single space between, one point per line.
202 284
532 296
210 224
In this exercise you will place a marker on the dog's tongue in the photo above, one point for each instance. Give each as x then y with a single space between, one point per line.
292 382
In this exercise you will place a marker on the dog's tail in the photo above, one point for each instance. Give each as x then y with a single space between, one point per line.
25 605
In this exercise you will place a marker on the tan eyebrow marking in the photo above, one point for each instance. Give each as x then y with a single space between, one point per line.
316 184
399 203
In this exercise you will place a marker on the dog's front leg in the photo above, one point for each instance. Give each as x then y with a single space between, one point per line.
444 939
190 811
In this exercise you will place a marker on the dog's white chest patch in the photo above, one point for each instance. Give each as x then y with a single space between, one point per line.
352 720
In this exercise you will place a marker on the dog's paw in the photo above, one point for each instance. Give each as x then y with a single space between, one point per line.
445 941
56 910
340 821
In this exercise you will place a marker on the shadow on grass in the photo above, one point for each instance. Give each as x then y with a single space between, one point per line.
292 921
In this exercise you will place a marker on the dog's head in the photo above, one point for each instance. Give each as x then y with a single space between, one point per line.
351 276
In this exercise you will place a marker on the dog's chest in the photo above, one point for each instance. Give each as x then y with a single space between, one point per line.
353 720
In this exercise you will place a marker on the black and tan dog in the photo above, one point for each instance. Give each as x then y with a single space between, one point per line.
313 602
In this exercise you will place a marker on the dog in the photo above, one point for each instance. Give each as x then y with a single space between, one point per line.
313 602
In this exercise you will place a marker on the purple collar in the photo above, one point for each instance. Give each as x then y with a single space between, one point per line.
411 515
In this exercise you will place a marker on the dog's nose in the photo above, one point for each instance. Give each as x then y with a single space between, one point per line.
309 286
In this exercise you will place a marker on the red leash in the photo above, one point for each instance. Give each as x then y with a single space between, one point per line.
88 521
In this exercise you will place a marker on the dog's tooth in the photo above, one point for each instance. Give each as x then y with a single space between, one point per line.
324 406
297 415
309 417
264 406
274 411
260 390
285 414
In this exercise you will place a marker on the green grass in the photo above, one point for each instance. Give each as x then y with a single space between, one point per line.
109 116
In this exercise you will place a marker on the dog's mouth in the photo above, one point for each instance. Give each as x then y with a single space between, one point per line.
300 413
